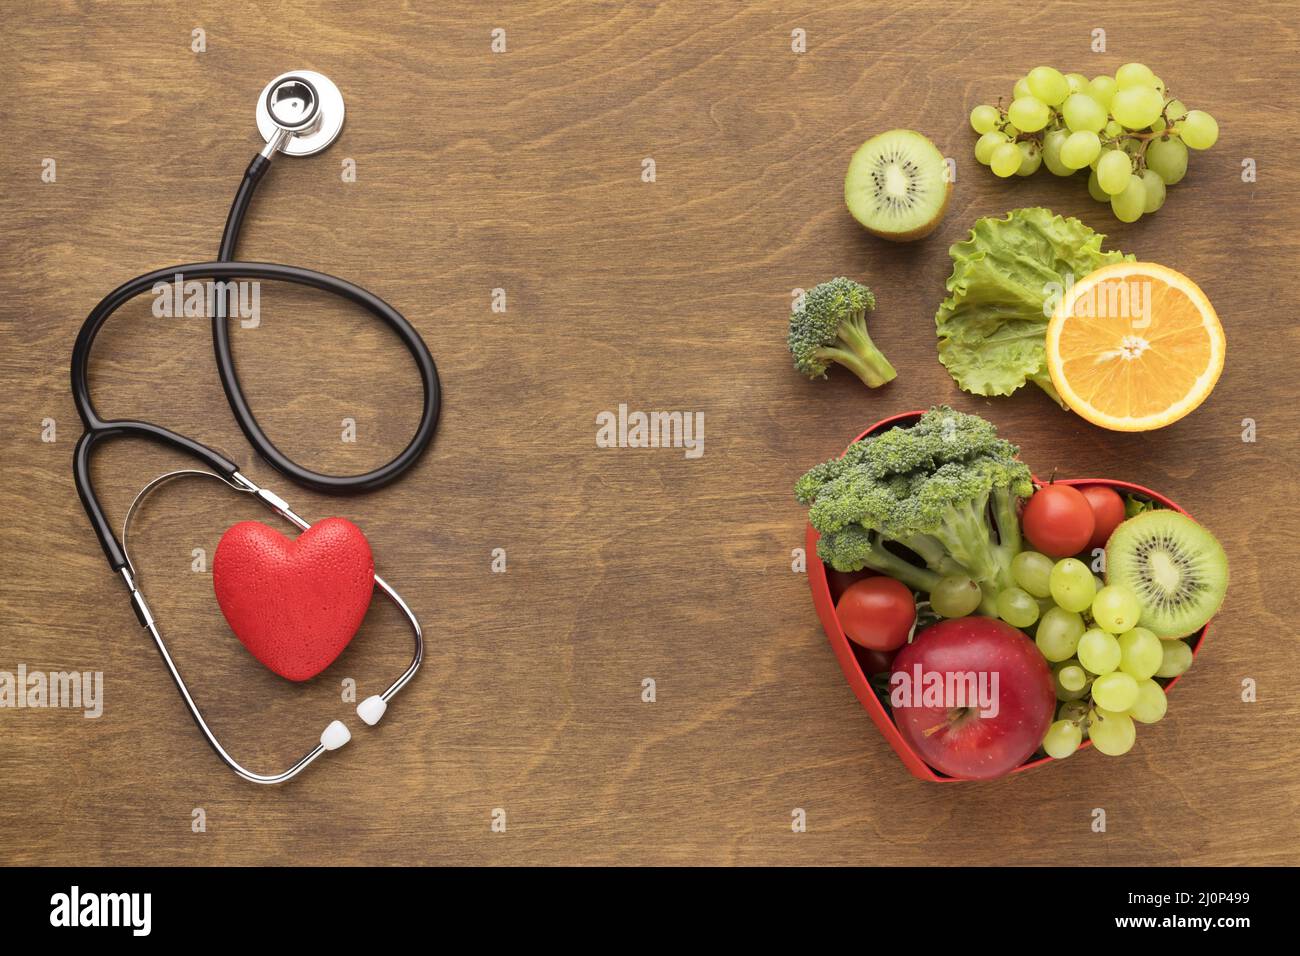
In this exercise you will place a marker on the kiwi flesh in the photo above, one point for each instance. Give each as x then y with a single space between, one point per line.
1176 568
898 186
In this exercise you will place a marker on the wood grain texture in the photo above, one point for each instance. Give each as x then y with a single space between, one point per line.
522 171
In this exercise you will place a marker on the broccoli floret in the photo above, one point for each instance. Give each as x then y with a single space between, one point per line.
855 548
942 435
947 489
855 497
806 488
832 327
952 506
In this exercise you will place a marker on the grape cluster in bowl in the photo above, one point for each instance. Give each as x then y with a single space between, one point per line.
1127 129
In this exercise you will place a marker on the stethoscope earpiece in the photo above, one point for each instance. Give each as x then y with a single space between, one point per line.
299 113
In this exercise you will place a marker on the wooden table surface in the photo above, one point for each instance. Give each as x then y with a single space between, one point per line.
522 171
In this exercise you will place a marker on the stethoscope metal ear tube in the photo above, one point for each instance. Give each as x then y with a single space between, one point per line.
298 114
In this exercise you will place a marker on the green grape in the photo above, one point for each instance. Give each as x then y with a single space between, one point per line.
1029 113
1021 89
1005 159
1095 190
1198 129
1158 125
985 145
1175 659
1052 143
1175 110
1102 89
1128 205
1072 585
1080 149
984 119
1141 653
1113 171
1155 191
1072 676
1082 112
1134 74
1077 82
1151 703
1017 607
1048 85
1031 157
1058 634
1115 691
1033 571
1137 107
955 596
1069 693
1098 651
1113 129
1097 582
1158 85
1116 609
1167 158
1062 739
1111 733
1073 710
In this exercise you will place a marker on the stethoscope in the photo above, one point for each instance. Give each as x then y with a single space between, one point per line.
298 114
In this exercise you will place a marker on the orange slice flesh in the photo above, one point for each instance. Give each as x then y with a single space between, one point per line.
1134 346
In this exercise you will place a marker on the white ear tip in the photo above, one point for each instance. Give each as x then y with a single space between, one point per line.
335 735
372 709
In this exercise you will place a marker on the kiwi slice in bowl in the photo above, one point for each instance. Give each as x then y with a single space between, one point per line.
1176 568
897 185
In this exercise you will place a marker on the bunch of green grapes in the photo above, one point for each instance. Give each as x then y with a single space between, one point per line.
1104 665
1126 128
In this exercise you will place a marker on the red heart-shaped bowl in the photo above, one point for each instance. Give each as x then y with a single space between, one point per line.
852 657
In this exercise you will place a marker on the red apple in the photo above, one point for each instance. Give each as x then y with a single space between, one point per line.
1002 717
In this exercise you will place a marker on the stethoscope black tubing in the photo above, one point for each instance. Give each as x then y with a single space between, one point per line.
226 267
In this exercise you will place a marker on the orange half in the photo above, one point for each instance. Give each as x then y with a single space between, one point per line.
1134 346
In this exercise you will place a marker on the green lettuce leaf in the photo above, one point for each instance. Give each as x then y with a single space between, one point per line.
1005 279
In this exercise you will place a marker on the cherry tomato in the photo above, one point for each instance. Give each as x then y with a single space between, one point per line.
1107 512
877 613
1058 521
875 662
839 581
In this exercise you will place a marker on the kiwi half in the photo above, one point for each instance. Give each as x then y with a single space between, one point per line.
1176 568
897 185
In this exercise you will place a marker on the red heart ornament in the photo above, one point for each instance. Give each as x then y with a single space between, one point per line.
856 661
295 604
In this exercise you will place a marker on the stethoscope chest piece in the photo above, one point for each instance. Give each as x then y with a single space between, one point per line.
300 113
